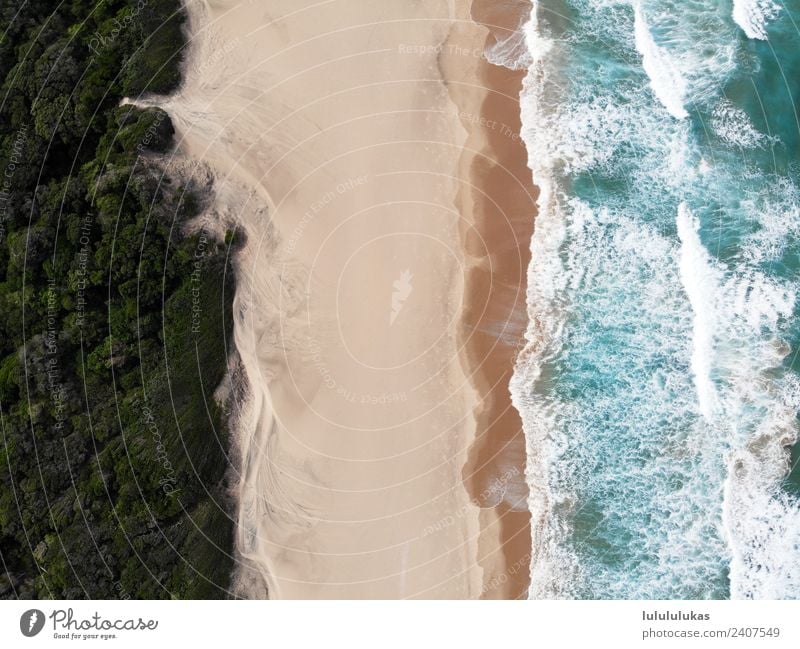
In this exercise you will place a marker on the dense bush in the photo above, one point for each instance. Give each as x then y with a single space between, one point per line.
113 324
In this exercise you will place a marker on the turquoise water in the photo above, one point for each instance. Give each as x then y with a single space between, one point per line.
659 389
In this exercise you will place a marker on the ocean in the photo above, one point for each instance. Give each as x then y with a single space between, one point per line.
659 385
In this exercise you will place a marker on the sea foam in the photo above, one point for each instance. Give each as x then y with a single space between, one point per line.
668 84
733 126
657 405
753 16
510 52
699 280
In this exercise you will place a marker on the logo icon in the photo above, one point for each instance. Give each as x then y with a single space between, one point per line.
31 622
402 289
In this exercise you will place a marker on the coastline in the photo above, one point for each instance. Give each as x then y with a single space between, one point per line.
499 204
513 195
364 443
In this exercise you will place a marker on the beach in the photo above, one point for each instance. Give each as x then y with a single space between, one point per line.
499 208
368 156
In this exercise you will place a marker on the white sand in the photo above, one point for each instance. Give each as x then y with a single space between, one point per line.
336 146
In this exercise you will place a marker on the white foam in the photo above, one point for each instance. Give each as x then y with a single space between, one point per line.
700 280
739 315
754 15
666 80
763 527
551 564
607 257
573 249
701 336
759 401
778 218
733 126
510 52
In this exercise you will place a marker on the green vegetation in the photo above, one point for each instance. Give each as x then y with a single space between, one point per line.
113 323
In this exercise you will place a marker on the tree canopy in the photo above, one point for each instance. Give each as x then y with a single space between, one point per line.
115 326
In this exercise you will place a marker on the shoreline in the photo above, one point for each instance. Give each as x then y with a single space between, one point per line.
501 206
364 391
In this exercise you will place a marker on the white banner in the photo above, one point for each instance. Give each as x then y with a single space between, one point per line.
380 625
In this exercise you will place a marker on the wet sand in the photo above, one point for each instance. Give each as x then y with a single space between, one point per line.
500 206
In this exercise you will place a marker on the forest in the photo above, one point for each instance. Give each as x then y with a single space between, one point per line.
115 325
